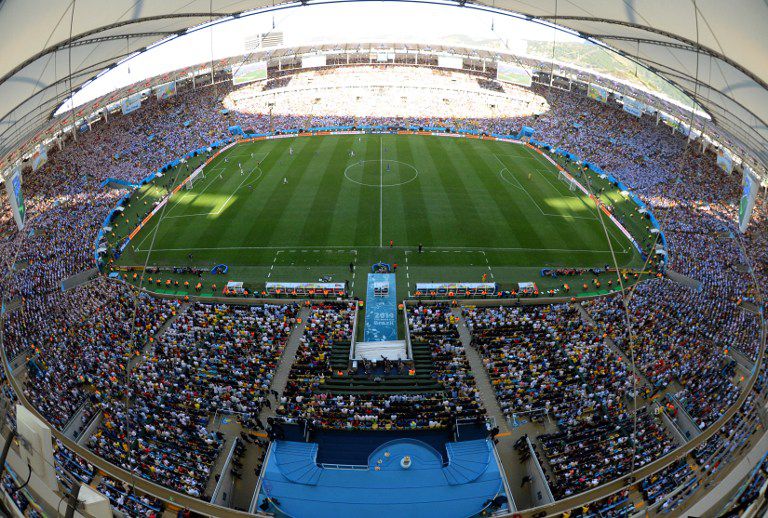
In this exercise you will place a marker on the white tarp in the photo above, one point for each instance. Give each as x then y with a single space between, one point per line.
374 351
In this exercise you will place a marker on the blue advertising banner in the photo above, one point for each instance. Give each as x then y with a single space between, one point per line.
381 308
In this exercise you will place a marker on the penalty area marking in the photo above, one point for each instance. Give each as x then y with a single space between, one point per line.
187 192
212 213
219 168
519 185
448 251
223 205
408 249
303 250
380 184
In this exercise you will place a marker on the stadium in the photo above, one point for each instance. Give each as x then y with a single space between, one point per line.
410 258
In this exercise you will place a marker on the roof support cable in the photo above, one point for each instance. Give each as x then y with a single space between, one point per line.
681 168
210 31
554 47
69 75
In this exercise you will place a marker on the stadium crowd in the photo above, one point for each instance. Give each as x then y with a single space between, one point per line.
214 359
331 324
78 345
668 340
543 361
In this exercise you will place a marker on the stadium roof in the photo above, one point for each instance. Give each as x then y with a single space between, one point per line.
713 51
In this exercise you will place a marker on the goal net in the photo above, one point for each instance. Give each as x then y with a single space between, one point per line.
561 176
193 179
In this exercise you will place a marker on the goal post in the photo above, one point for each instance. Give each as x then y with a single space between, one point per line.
190 182
561 175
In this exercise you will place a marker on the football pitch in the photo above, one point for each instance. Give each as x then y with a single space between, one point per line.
329 207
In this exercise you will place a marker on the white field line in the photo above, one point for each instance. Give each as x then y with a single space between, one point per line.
433 249
487 263
187 192
221 208
211 177
518 185
587 204
381 191
223 205
328 250
611 230
472 251
407 273
261 173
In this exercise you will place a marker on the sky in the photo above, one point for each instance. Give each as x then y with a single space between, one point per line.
340 23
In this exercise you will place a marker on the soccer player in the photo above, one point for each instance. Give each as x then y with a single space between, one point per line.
290 150
285 180
421 247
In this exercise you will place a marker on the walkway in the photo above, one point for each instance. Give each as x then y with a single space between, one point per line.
75 427
138 360
715 497
280 380
512 468
587 318
244 488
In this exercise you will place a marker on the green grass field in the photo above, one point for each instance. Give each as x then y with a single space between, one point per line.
477 206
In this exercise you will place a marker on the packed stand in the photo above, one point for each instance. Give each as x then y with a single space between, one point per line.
212 359
123 498
601 449
543 361
305 398
695 202
668 341
78 343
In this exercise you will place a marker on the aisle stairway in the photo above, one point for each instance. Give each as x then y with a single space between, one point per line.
241 497
422 381
511 467
466 461
296 461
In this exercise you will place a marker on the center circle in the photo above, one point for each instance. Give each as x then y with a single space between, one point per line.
381 173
